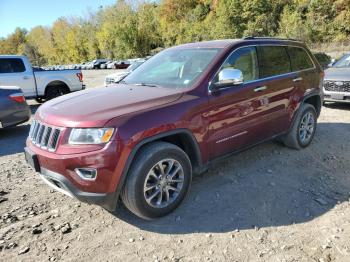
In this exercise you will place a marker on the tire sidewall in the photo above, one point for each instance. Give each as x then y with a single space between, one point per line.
141 172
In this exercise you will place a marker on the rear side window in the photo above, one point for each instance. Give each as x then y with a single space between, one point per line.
300 60
273 60
11 65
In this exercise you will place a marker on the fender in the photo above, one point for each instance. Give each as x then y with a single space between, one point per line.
315 92
197 167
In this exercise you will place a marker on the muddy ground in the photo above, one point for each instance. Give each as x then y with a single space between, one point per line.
269 203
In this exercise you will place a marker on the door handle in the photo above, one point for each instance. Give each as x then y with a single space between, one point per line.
26 77
298 79
260 88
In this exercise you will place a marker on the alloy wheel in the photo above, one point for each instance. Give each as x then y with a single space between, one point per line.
163 183
307 127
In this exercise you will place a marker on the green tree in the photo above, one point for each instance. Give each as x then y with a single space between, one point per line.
293 26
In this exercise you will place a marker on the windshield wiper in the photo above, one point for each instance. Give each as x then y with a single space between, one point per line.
144 84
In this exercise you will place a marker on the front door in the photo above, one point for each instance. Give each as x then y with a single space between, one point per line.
238 114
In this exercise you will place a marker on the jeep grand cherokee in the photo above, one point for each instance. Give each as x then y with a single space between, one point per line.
142 140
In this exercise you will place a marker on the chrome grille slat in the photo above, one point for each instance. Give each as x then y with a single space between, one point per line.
32 128
40 134
35 131
44 136
54 140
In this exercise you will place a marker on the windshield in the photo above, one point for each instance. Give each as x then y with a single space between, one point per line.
133 66
343 62
173 68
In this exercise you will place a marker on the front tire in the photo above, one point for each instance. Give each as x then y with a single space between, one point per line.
303 129
158 180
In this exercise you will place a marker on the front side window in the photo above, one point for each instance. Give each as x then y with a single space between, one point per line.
11 65
273 60
245 60
300 60
174 68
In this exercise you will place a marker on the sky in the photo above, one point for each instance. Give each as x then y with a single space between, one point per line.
30 13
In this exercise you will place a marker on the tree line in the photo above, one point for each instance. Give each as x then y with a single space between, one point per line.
135 29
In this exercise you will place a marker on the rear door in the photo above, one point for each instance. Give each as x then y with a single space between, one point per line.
14 73
276 74
307 76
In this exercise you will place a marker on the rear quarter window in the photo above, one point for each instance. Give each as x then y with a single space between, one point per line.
11 65
273 60
300 60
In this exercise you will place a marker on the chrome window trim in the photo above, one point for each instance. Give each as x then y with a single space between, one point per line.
265 78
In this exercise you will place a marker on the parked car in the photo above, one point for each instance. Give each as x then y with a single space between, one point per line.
13 106
39 84
122 65
174 115
110 64
104 65
118 76
337 81
323 59
96 64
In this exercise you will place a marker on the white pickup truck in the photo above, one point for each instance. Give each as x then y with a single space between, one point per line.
37 83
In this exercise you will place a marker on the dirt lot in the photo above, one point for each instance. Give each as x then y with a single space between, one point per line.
269 203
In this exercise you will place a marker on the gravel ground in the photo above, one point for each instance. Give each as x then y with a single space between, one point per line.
269 203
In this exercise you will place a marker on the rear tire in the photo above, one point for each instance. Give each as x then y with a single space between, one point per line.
39 100
303 129
55 91
158 180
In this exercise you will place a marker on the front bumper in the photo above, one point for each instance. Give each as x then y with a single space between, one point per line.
63 185
58 171
332 96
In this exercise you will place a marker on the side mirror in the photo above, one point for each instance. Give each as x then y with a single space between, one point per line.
229 77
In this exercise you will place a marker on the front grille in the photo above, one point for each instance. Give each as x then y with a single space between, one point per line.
109 80
43 136
337 86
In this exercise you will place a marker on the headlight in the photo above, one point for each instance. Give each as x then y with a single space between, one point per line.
83 136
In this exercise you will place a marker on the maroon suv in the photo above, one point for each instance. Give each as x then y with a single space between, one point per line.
142 140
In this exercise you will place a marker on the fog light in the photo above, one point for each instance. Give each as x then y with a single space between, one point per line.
86 173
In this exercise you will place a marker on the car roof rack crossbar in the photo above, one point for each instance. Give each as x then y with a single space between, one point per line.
269 37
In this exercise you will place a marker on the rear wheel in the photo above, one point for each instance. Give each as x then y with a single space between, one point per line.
39 100
303 129
55 91
158 180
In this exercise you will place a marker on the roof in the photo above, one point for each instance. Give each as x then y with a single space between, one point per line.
229 42
210 44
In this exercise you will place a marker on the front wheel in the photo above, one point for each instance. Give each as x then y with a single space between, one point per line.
303 129
158 180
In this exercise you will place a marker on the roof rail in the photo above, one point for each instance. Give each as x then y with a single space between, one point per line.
268 37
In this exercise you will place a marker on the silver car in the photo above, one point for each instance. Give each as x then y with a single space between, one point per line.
13 107
336 84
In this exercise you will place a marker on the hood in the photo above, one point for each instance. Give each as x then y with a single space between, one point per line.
95 107
337 74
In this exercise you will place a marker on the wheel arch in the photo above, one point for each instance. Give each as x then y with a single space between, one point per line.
314 100
179 137
56 83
